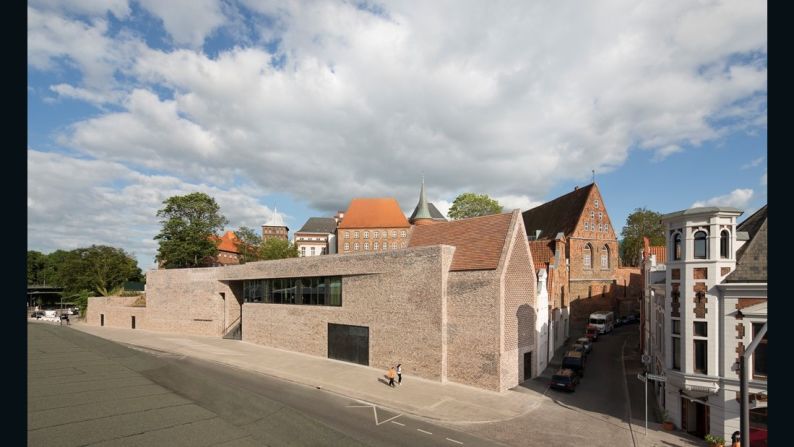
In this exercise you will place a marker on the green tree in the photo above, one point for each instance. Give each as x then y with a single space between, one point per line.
37 261
278 249
640 223
470 204
188 222
249 244
98 269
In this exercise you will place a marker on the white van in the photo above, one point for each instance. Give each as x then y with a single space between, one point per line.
604 321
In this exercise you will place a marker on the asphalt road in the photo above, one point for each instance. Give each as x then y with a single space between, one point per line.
84 390
596 414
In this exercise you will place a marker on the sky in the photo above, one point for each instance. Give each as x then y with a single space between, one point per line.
297 107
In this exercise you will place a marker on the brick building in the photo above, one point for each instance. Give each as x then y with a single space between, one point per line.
228 253
573 237
457 305
372 225
316 237
275 228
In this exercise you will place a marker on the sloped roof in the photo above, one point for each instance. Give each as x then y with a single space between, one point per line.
542 253
557 216
374 213
227 242
319 225
751 258
434 212
479 241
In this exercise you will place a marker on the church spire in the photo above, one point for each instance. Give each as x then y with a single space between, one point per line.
422 214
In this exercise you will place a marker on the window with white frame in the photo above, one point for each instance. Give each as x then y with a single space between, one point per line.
355 246
402 233
595 202
366 246
701 245
366 235
605 257
347 246
347 235
355 235
375 245
725 243
394 234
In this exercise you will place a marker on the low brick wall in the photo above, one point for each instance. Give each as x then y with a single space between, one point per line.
117 311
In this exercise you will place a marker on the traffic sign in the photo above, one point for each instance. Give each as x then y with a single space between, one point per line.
657 378
641 377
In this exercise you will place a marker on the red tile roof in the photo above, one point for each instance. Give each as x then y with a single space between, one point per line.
479 241
542 253
374 213
227 242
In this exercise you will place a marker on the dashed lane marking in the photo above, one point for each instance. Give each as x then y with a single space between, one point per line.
395 422
456 442
419 429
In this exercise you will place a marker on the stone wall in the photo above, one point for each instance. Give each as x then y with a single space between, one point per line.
118 312
187 301
398 296
519 314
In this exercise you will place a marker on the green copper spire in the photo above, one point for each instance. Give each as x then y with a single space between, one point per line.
422 211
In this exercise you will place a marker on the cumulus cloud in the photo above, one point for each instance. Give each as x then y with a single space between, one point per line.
738 198
114 205
352 101
187 21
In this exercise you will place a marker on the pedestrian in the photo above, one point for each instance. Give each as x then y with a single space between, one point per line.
390 375
399 374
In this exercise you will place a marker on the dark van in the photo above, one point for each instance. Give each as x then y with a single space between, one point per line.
575 361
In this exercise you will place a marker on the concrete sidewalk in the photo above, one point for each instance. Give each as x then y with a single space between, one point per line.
448 403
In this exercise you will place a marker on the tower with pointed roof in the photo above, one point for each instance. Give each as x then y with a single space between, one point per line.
421 215
425 212
275 227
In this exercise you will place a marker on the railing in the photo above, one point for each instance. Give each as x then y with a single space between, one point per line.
226 330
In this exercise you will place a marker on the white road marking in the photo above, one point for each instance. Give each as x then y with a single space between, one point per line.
456 442
419 429
395 422
375 412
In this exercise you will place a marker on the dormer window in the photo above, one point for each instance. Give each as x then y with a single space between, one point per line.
595 203
701 245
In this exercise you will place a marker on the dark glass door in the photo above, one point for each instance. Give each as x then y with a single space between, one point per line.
348 343
527 365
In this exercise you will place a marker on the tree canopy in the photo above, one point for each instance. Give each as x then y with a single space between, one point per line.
278 249
188 222
97 269
641 222
470 204
249 244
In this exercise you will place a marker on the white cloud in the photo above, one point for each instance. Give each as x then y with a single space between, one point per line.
763 179
114 205
755 163
738 198
189 22
91 8
363 103
522 203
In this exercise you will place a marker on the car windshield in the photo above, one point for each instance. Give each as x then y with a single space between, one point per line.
596 321
557 378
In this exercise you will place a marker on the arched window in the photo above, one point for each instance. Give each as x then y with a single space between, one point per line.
605 257
677 246
725 241
588 256
701 245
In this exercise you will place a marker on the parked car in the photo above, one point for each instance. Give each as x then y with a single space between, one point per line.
633 318
578 347
588 345
564 379
620 321
575 361
37 314
591 332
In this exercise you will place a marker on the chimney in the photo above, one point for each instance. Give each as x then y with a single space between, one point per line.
576 187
